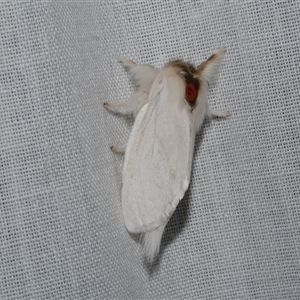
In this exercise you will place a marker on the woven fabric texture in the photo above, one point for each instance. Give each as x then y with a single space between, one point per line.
235 234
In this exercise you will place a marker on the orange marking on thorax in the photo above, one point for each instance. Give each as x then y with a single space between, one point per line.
191 92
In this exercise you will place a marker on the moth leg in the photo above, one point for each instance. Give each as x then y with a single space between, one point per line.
143 75
118 149
216 113
131 106
126 62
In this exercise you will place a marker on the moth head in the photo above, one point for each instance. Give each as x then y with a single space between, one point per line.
192 83
196 79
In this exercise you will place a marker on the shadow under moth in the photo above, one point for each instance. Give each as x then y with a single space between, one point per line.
170 106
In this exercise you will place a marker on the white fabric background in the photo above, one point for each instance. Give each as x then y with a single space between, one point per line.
235 235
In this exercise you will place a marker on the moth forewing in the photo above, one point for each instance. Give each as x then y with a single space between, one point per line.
153 171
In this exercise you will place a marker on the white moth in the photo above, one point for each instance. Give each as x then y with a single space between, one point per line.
170 106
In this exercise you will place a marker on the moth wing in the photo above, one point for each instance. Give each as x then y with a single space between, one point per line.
157 165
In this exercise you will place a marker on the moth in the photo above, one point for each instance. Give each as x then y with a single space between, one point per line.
170 106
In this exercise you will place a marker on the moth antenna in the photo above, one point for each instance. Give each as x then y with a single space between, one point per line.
207 69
